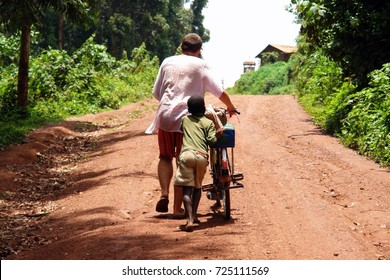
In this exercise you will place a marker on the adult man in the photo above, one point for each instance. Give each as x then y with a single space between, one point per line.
179 78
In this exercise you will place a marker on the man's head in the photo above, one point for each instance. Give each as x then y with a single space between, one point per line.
196 105
191 43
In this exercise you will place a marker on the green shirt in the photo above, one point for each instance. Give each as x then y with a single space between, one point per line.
199 133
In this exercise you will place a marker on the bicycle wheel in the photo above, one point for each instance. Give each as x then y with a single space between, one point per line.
226 200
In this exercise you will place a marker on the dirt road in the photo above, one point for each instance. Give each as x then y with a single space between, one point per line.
90 190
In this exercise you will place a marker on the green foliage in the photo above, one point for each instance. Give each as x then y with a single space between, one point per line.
8 90
269 57
125 25
354 33
317 78
337 108
9 47
60 85
94 56
268 79
360 118
367 126
342 46
48 74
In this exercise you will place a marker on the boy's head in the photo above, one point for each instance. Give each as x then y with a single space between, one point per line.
196 105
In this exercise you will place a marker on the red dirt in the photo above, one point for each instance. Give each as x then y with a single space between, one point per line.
87 189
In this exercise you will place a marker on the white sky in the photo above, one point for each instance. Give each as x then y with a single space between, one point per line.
239 30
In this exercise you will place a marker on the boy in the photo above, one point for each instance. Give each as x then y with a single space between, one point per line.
199 132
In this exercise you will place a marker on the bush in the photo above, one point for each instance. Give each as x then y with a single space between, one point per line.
367 126
361 119
268 79
318 80
60 85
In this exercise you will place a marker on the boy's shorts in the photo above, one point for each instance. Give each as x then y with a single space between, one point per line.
169 143
192 166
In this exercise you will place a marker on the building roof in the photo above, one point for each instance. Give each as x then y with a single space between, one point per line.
247 62
283 48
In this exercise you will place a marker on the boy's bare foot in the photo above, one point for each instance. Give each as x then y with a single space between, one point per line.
187 227
216 206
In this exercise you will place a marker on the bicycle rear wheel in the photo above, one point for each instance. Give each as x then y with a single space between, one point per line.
226 201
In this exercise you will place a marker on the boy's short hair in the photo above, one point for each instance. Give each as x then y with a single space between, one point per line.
191 42
196 105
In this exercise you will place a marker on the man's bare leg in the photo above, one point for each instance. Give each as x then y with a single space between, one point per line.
165 173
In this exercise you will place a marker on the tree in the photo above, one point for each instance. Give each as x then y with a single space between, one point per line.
197 7
22 15
125 25
269 58
355 33
160 24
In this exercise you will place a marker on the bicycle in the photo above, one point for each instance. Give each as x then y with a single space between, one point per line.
224 178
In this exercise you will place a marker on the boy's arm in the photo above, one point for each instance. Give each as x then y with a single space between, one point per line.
211 134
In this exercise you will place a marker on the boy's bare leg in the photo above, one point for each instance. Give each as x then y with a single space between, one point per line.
187 200
196 195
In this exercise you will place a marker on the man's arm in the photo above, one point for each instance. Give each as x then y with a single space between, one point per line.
229 105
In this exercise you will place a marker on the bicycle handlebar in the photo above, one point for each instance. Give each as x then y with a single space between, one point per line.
234 111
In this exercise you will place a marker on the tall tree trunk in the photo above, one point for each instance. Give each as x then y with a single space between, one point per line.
24 56
60 30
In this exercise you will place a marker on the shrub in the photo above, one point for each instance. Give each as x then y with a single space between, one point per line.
367 126
268 79
318 80
60 85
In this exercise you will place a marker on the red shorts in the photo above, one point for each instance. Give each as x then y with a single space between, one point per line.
169 143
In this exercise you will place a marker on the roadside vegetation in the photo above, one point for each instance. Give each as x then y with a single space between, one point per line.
60 85
272 78
340 74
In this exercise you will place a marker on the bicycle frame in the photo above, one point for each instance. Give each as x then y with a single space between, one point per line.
223 175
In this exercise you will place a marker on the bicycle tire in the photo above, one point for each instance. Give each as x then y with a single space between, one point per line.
226 201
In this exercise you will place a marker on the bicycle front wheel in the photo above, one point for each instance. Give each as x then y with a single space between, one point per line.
226 201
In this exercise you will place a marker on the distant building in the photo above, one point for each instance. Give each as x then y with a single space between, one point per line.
249 66
284 52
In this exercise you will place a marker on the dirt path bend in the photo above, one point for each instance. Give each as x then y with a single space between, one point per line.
305 196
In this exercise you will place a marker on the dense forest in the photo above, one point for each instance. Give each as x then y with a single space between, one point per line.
63 57
120 25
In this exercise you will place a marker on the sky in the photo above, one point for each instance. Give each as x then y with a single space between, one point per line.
239 30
